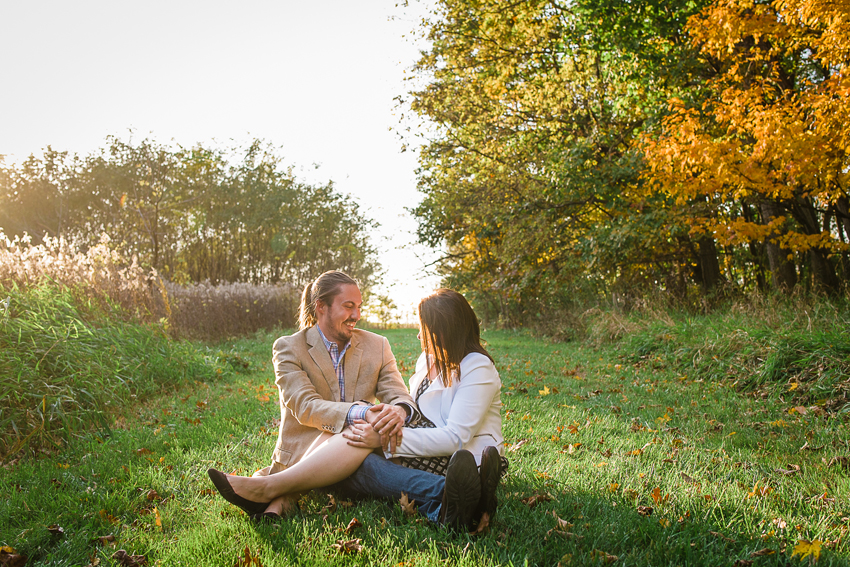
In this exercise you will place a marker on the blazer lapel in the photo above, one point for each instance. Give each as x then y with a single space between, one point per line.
322 358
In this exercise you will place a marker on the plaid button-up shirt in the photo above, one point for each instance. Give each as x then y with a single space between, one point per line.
355 411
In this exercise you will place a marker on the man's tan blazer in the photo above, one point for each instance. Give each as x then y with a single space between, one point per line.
309 389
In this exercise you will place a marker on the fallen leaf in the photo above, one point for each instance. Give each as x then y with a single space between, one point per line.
106 540
153 495
687 478
536 499
126 560
793 386
804 548
248 560
780 523
613 487
353 525
567 559
665 523
483 525
763 552
143 451
409 506
331 505
567 535
644 510
742 563
562 524
10 558
544 391
656 496
109 517
606 453
631 494
350 546
599 555
793 469
517 445
158 518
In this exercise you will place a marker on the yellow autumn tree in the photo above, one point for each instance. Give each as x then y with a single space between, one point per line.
762 160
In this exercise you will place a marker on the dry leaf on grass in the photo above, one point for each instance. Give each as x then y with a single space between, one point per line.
353 525
126 560
331 505
599 555
106 540
743 563
763 552
10 558
248 559
567 535
536 499
562 524
409 506
483 525
687 478
644 510
153 495
350 546
792 469
805 548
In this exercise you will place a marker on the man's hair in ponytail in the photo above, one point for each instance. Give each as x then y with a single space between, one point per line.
325 288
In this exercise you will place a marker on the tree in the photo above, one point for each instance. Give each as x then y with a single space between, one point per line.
531 180
767 151
194 213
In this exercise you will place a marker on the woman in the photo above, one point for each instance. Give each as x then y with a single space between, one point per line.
457 389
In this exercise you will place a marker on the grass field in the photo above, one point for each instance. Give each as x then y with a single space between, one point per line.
617 457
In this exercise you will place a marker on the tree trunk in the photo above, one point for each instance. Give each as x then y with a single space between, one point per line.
823 273
708 263
783 272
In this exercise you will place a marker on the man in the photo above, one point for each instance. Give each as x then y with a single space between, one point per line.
329 374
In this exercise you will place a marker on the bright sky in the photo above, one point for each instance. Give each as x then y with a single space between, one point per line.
317 78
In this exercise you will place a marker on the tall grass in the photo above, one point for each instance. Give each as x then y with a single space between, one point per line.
68 364
202 311
206 311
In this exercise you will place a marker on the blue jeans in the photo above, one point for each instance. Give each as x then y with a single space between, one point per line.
379 477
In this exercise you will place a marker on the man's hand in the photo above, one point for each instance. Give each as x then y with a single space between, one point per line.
389 422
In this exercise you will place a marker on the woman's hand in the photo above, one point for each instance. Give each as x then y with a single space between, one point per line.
362 434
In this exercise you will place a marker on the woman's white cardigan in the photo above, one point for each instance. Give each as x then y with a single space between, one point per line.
467 414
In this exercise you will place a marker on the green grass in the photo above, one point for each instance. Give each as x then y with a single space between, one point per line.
635 421
69 364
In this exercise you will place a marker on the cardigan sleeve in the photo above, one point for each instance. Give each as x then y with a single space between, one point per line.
478 386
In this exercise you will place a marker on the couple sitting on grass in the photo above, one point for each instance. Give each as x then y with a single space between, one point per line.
440 444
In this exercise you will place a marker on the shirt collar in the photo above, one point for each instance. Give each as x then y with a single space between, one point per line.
330 344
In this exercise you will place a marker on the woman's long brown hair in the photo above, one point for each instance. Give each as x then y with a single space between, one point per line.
450 330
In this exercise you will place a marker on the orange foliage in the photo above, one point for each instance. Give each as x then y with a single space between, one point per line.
775 125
